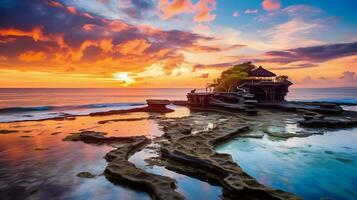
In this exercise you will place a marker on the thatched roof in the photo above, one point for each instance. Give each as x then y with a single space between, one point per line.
261 72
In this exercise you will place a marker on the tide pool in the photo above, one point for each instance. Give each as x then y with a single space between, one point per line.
314 167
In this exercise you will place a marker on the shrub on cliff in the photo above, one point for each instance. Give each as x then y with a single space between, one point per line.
232 77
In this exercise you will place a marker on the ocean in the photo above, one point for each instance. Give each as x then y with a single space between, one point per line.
35 103
35 163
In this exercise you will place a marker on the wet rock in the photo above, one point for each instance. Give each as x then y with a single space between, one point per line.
85 175
86 136
155 106
120 170
194 155
311 115
8 131
253 134
122 120
329 122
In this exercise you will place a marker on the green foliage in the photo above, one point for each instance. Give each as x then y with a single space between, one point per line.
232 77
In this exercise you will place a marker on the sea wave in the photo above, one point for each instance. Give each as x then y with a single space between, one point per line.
10 110
345 101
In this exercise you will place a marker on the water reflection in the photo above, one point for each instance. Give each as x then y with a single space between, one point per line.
313 167
189 187
36 164
42 166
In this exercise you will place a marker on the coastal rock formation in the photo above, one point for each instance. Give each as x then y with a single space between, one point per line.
329 122
313 107
122 120
120 170
153 105
192 153
342 120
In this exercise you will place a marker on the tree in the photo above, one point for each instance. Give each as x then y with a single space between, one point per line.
232 77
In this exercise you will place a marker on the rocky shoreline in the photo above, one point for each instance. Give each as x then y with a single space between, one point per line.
194 155
120 170
188 143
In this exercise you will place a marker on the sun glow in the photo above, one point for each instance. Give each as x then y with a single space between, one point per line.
124 78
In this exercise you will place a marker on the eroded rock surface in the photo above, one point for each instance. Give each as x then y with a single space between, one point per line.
190 150
120 170
155 106
342 120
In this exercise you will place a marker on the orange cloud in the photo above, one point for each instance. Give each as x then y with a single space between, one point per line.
32 56
72 9
202 9
271 5
88 15
36 34
88 27
6 40
134 47
171 8
118 26
55 4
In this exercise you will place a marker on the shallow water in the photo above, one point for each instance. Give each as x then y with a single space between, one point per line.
312 167
42 166
191 188
42 103
36 164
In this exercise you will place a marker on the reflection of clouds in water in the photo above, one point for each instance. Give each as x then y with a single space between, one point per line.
297 164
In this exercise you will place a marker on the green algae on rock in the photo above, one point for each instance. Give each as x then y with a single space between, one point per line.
85 175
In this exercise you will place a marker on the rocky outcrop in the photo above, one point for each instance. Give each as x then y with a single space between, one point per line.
120 170
156 106
329 122
193 153
295 106
343 120
122 120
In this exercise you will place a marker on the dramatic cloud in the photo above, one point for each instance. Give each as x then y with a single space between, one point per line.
297 66
61 38
318 53
157 41
201 10
123 9
271 5
292 33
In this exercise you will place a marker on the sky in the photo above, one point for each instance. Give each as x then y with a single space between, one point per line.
174 43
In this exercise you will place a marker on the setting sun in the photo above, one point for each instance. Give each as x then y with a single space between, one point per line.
124 78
